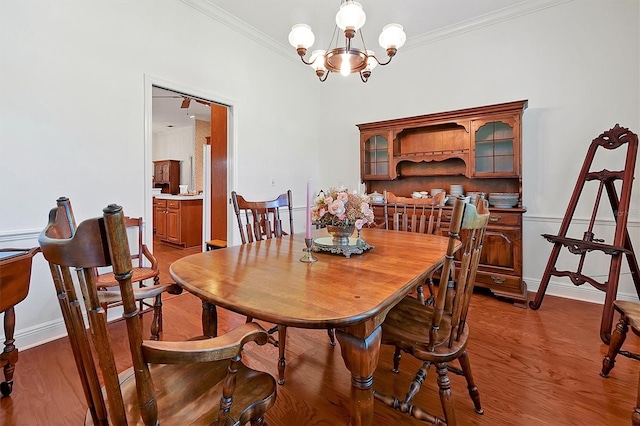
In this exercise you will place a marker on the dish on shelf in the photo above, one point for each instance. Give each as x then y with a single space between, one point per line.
504 199
420 194
376 197
452 199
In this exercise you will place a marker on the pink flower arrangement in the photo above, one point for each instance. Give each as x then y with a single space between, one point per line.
342 207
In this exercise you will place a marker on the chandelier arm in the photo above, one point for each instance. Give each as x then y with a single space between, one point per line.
304 61
363 78
324 77
382 63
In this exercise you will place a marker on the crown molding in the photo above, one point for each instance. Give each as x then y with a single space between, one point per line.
524 8
215 12
520 9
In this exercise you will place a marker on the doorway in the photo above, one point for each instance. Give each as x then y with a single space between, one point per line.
173 106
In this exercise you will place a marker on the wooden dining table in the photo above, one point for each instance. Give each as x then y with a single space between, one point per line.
266 280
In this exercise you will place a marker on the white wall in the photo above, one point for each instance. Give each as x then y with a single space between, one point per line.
72 110
577 63
176 144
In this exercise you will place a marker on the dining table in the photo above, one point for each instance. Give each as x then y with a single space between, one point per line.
352 293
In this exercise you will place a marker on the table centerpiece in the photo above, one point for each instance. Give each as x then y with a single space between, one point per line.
342 211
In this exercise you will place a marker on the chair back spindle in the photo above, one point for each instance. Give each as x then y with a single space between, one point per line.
409 215
259 220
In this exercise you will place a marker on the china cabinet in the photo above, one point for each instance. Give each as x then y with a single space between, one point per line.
479 148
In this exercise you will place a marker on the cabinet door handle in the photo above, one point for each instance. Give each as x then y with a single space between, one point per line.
497 280
494 218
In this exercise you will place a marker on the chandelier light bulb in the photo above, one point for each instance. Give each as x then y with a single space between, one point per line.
345 65
317 60
350 16
301 36
392 36
371 60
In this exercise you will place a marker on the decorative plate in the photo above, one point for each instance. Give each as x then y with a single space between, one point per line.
355 246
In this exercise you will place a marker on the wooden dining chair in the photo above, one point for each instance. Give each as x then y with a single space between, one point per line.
65 227
260 220
629 318
146 271
200 381
438 334
415 215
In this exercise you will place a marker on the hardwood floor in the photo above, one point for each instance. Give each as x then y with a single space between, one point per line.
531 367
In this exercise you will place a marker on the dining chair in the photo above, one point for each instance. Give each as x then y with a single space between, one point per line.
260 220
145 269
106 281
199 381
629 317
438 335
415 215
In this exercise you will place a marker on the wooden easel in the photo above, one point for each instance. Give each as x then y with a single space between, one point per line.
610 140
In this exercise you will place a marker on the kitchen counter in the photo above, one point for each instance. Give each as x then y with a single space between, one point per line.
179 197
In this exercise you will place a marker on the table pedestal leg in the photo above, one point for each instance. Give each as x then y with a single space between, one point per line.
361 358
209 319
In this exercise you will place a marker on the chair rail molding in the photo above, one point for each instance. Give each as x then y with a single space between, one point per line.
20 235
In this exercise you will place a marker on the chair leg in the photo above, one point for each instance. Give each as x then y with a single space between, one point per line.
416 383
432 292
397 356
617 339
258 422
471 386
282 364
420 293
332 336
635 417
446 397
156 322
272 340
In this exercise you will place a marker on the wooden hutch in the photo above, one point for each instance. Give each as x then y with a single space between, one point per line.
479 148
166 175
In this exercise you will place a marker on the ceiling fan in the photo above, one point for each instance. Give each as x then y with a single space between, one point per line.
186 100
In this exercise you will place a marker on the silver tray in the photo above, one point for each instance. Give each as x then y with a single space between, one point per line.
355 246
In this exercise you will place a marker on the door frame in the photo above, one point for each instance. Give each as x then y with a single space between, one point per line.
232 108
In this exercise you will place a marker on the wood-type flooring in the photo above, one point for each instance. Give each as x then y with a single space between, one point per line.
531 367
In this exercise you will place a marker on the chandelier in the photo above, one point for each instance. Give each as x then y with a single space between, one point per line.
348 59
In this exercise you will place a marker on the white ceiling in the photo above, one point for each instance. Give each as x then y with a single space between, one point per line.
274 19
271 21
167 111
418 17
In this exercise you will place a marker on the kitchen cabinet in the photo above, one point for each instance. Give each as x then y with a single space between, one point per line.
166 175
160 218
479 148
178 221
